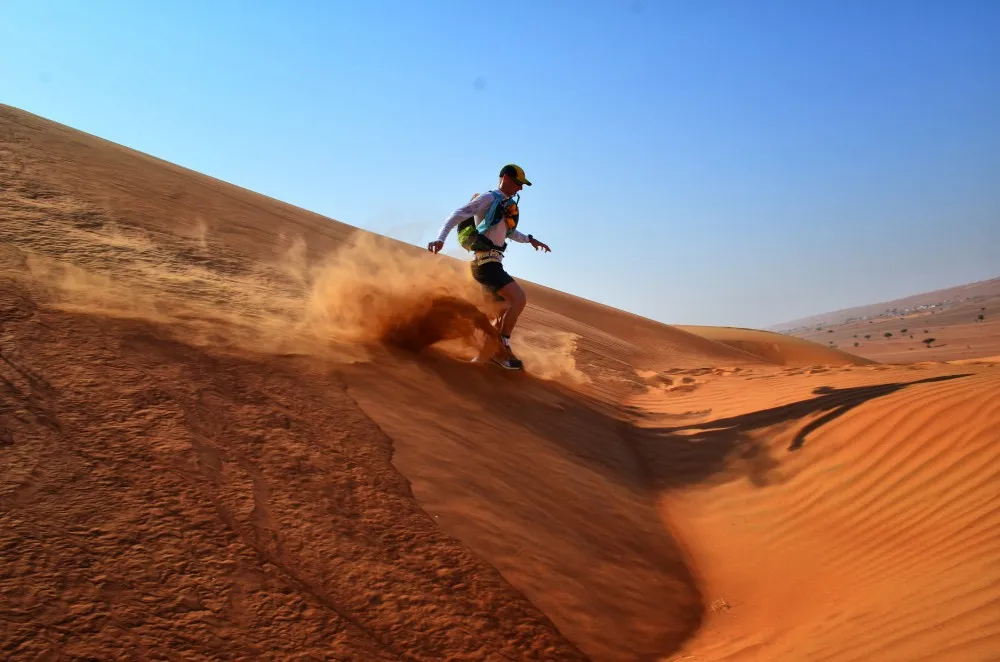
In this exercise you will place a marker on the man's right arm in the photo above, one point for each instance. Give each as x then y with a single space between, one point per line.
470 208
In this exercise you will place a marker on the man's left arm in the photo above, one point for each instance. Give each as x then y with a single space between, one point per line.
522 238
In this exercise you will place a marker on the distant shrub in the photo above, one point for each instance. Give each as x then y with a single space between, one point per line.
888 334
927 330
831 330
981 317
903 331
868 336
857 344
928 341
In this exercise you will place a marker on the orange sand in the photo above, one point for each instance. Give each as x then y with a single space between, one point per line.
229 431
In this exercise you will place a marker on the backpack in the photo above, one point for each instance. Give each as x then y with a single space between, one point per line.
470 235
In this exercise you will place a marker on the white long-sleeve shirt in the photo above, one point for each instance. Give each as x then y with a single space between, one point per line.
478 208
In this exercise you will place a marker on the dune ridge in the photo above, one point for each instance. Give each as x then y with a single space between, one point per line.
772 347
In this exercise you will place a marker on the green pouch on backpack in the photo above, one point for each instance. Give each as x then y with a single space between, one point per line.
471 239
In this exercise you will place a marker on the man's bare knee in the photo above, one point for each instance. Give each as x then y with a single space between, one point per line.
514 296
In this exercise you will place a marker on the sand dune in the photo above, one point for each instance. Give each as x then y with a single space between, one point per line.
783 350
866 527
231 430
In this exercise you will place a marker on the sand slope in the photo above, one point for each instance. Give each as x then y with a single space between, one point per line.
209 449
159 498
866 527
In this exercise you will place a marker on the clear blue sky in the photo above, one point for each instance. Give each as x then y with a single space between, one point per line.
734 163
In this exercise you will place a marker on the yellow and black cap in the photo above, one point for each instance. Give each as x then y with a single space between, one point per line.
515 172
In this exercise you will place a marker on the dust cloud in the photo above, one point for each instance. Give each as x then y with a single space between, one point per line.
370 291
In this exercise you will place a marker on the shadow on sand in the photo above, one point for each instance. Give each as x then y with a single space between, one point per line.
655 458
652 461
835 401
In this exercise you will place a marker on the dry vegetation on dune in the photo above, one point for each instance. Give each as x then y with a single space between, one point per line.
949 325
230 428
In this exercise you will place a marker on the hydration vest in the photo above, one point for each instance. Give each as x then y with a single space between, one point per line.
471 236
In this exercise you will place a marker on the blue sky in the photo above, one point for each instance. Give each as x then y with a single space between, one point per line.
735 163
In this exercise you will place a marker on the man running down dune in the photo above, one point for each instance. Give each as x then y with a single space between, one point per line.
485 223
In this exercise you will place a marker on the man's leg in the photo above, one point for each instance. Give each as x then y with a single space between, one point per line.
495 306
515 300
504 297
512 300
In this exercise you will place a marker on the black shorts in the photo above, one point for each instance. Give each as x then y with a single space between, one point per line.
491 276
